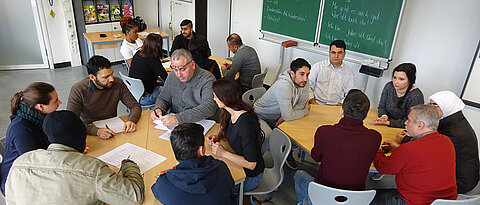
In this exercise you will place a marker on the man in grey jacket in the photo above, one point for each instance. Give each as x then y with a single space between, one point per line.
245 62
62 174
287 99
187 92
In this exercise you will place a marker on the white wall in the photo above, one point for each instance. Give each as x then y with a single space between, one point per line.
148 10
439 36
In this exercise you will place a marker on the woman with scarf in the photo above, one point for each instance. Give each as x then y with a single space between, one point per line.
455 126
24 134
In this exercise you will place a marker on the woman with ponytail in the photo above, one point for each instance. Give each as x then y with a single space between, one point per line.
24 134
239 125
398 96
131 44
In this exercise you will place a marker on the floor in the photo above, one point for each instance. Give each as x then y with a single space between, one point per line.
63 78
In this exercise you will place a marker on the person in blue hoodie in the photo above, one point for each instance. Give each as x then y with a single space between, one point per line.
197 179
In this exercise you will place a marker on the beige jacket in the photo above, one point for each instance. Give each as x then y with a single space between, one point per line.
62 175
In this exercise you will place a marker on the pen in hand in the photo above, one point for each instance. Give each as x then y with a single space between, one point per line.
155 112
119 170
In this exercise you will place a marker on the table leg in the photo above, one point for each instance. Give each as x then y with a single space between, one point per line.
168 46
240 194
86 47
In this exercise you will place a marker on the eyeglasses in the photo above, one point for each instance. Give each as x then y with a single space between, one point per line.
433 104
182 68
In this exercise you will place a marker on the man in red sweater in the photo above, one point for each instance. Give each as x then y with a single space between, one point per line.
345 150
424 167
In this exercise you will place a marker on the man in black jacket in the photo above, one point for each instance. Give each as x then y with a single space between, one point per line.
197 179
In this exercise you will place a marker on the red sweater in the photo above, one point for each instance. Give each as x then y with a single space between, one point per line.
424 169
345 151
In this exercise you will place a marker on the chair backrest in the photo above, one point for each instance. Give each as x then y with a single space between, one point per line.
257 80
252 95
267 131
134 85
475 200
321 194
3 142
280 146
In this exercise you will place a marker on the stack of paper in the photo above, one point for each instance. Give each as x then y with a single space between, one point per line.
115 124
207 124
145 159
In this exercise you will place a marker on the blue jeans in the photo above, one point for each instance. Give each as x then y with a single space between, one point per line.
150 99
301 180
249 184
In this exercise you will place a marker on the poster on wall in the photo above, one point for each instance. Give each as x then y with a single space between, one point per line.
89 14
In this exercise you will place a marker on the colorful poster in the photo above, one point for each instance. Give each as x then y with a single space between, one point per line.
89 14
115 12
103 14
127 9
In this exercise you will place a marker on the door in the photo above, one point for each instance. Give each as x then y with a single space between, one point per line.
22 39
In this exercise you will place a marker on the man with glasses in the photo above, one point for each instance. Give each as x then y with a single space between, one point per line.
187 93
331 79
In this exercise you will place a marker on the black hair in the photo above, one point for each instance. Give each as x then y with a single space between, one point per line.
186 22
299 63
356 105
127 23
97 63
338 44
198 45
185 139
410 70
234 39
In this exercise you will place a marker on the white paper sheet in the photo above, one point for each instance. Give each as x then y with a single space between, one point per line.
115 124
167 64
144 33
145 159
207 125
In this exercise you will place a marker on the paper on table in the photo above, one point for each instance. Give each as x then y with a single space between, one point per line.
143 33
145 159
115 124
207 125
167 64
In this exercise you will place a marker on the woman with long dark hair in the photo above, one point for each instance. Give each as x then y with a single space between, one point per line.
241 128
131 44
147 66
398 96
200 50
24 134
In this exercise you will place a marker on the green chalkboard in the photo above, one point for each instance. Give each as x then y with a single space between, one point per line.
294 18
366 26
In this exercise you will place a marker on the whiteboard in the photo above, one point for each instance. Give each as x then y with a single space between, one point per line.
471 93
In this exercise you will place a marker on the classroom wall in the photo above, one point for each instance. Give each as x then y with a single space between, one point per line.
439 36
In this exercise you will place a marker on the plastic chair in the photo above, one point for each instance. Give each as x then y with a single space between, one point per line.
257 80
252 95
469 200
321 194
280 146
267 131
135 86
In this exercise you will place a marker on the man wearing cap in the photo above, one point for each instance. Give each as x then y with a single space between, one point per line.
63 175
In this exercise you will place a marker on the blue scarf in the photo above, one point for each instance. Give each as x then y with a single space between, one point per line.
31 114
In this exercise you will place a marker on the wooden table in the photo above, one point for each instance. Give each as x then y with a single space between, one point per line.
146 136
94 41
302 131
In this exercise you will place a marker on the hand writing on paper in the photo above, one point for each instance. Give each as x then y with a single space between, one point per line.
169 120
129 126
105 133
399 137
212 138
156 114
383 120
390 145
227 66
217 149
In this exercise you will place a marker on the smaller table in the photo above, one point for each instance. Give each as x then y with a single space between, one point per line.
92 39
302 131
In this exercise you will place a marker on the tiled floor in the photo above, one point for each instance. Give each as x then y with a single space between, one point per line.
62 79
